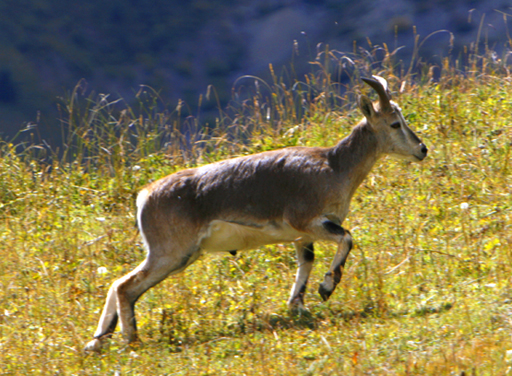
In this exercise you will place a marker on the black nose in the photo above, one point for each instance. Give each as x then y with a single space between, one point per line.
424 149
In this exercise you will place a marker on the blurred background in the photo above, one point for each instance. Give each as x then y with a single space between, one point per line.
180 48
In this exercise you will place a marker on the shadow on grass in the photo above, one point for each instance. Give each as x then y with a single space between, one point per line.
426 310
371 310
175 331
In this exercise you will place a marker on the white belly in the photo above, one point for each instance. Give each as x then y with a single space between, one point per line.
223 236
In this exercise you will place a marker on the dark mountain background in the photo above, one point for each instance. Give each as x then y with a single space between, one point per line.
179 48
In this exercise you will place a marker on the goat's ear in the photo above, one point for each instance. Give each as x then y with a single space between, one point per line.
366 106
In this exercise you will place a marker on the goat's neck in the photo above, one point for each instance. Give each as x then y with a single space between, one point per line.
355 155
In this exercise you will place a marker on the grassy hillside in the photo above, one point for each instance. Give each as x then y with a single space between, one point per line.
426 291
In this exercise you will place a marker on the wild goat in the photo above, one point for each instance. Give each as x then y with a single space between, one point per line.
296 194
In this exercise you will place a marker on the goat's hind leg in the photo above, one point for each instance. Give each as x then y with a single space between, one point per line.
125 292
117 305
108 321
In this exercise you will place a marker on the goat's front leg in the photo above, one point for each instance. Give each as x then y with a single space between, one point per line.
326 229
333 276
305 258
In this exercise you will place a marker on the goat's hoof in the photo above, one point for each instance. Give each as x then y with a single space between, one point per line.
297 309
136 343
324 292
132 340
296 304
93 346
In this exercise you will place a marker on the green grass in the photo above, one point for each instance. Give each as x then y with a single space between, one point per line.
426 291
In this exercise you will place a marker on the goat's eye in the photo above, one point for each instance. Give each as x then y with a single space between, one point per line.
395 125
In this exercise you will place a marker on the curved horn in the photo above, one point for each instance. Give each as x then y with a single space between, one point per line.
380 85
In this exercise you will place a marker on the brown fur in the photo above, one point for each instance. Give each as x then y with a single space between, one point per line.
295 183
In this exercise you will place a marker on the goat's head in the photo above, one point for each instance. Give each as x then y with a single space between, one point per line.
386 119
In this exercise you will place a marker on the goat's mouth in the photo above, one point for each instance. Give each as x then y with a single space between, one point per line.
420 158
422 153
414 157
